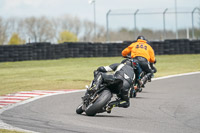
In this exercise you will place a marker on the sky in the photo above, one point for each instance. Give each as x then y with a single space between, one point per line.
84 10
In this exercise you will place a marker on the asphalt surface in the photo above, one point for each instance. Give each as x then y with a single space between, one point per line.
165 106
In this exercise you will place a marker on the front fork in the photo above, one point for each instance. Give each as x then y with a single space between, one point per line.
89 98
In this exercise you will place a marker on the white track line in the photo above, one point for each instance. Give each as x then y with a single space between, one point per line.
43 94
177 75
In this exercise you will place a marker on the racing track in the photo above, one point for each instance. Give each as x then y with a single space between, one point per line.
165 106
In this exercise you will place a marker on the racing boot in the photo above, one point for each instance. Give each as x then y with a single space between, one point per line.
143 81
124 104
117 103
146 78
111 105
149 76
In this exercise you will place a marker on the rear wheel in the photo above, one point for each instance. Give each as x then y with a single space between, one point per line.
103 99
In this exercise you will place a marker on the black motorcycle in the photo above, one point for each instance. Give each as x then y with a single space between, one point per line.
96 100
137 87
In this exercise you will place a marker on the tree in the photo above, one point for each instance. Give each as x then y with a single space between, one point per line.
148 33
15 39
39 29
100 33
3 31
71 24
67 36
56 26
88 30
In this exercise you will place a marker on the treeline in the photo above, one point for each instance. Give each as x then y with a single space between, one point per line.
43 29
69 28
153 35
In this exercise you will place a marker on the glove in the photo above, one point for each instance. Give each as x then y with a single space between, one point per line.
95 73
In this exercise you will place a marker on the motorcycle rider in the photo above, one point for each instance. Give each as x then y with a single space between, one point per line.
123 72
143 54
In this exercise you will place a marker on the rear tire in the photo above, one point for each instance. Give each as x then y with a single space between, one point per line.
79 109
104 98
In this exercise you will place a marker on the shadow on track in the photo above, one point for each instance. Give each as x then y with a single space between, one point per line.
101 115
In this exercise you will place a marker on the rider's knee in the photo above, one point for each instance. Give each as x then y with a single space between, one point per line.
124 94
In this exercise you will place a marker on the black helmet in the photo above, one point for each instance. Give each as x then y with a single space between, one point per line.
127 62
141 37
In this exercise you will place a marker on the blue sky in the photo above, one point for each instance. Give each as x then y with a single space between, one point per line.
84 10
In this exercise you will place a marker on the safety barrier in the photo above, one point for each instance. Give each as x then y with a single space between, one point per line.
44 51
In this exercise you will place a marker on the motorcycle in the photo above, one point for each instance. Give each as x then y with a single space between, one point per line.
136 87
96 100
140 75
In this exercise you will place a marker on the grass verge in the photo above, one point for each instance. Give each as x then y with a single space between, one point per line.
75 73
8 131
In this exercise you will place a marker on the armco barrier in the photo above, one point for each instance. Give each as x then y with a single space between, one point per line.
43 51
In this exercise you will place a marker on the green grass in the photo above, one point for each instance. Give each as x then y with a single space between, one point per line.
8 131
75 73
71 73
176 64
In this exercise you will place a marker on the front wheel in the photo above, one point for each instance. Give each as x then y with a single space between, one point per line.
133 93
140 90
104 97
79 109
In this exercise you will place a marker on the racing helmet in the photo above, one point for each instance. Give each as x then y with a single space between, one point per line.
141 37
127 62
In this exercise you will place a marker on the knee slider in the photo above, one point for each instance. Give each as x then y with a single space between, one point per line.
125 95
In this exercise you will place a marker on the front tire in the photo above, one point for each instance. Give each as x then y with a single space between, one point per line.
133 93
103 99
79 109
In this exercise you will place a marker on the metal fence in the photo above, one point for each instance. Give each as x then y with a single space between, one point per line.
134 14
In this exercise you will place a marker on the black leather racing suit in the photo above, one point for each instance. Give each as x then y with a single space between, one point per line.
125 72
